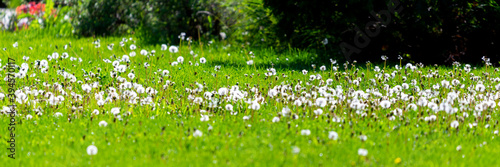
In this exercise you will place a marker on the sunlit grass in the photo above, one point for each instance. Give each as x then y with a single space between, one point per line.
162 134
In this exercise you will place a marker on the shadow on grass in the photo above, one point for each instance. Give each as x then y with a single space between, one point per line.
296 65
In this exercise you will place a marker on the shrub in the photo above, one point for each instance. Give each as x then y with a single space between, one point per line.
104 17
447 31
425 31
155 21
255 25
14 3
164 20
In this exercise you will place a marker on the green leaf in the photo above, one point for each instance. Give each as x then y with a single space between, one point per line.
49 5
24 15
209 21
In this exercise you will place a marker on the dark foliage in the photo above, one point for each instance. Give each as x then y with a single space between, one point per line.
156 21
163 20
104 17
423 31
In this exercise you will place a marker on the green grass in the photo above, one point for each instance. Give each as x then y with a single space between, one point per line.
167 140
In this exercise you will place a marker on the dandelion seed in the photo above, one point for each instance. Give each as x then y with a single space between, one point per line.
131 75
322 68
204 118
229 107
336 119
333 135
433 118
197 133
285 111
86 88
276 119
384 57
115 110
144 52
103 123
100 102
412 107
305 132
480 87
173 49
385 104
180 59
362 152
363 137
92 150
223 91
222 35
454 124
320 102
165 72
95 112
295 150
132 54
318 111
58 114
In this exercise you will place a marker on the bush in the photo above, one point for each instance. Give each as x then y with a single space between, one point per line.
104 17
164 20
155 21
425 31
258 26
161 21
447 31
14 3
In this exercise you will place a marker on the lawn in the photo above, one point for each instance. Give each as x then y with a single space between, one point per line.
217 104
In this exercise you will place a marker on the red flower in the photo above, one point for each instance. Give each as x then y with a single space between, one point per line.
36 8
33 8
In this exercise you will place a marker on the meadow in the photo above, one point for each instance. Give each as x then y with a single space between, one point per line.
114 102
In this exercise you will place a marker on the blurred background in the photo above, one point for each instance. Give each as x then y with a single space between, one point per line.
426 31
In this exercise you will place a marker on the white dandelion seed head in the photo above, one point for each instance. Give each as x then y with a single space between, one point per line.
333 135
173 49
144 52
305 132
103 123
454 124
92 150
197 133
362 152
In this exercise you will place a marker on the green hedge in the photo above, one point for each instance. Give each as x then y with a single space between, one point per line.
423 31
